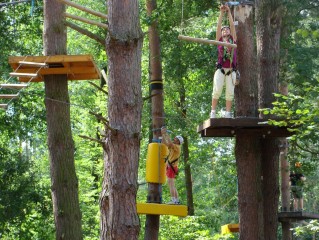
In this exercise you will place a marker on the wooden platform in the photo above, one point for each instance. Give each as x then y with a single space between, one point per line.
77 67
162 209
296 216
229 127
230 228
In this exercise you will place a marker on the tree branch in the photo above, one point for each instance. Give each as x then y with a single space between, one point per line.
101 89
91 139
86 32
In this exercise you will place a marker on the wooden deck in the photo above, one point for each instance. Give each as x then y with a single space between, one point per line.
77 67
296 216
229 127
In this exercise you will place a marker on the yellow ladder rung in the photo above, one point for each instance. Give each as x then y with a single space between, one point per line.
13 86
9 96
35 64
30 75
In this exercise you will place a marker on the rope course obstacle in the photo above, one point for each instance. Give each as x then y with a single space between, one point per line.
155 173
32 69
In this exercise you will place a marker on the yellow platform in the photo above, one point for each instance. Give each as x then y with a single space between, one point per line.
229 228
161 209
77 67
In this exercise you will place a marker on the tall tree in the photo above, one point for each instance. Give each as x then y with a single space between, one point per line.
248 165
119 219
156 90
268 31
64 181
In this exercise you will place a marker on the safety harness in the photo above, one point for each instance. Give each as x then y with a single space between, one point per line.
171 164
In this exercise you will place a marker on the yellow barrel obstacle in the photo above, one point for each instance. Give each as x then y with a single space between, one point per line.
155 173
155 163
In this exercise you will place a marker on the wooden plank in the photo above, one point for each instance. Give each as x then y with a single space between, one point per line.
85 20
80 7
25 75
3 106
9 96
296 216
35 64
206 41
59 70
13 86
161 209
71 77
51 59
230 127
77 67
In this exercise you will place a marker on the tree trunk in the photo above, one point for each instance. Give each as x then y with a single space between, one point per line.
284 170
119 219
246 93
268 25
188 178
270 184
247 149
64 182
156 88
247 153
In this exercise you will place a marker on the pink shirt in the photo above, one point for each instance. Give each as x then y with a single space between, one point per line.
221 52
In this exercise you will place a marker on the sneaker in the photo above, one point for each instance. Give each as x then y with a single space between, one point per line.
212 114
228 115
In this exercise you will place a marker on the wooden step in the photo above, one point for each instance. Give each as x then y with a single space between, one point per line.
9 96
28 75
13 85
34 64
3 106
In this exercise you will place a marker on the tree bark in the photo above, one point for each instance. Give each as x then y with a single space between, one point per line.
119 219
284 170
64 181
247 149
156 87
268 26
270 186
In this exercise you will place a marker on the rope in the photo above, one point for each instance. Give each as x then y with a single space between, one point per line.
182 18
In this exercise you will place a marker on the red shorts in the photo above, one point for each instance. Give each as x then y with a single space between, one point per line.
170 172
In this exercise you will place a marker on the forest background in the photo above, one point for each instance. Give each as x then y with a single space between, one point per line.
25 196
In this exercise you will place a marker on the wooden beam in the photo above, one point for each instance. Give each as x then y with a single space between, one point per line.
86 32
9 96
85 20
62 70
3 106
206 41
13 86
26 75
34 64
80 7
50 59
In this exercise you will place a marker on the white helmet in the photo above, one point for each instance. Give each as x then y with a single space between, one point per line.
180 139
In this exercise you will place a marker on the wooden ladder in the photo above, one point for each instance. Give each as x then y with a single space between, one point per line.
19 86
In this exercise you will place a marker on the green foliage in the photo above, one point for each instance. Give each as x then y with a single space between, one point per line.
309 231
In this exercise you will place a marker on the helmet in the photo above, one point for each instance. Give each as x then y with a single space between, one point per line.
225 26
297 164
180 139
